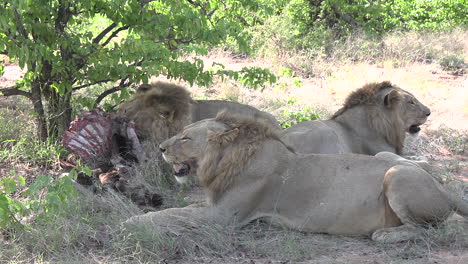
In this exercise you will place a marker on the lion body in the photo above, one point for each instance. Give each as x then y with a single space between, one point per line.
249 173
374 118
160 110
203 109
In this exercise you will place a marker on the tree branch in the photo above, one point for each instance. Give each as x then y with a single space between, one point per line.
14 90
178 40
19 24
89 84
347 18
208 14
101 35
112 90
144 2
63 16
114 34
11 37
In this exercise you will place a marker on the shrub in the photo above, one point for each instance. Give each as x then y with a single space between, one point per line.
45 198
291 118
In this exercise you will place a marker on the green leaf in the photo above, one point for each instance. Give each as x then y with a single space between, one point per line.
9 185
87 171
21 181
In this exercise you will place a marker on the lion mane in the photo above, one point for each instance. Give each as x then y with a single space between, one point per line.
173 96
160 110
364 95
388 124
220 166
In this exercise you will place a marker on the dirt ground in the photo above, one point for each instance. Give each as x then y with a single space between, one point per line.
445 94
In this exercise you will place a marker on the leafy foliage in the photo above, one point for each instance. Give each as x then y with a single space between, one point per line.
291 118
373 16
45 198
319 25
294 117
424 15
66 46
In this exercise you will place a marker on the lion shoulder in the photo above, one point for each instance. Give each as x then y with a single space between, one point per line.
203 109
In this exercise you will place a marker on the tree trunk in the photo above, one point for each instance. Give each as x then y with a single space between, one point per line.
36 99
60 114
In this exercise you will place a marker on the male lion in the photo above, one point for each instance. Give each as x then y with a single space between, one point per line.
160 110
249 173
374 118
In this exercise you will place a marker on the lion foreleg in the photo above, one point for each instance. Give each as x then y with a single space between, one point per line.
396 234
176 220
197 205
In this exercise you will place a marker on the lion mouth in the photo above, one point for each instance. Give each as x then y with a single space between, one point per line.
181 169
414 129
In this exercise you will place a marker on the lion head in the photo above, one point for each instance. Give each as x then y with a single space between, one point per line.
159 110
217 149
392 111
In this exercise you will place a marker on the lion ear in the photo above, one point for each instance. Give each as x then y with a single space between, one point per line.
392 98
143 88
223 137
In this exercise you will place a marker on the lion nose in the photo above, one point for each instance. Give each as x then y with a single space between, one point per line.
162 149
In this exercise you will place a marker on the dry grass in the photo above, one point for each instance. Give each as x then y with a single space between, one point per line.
90 231
157 176
398 49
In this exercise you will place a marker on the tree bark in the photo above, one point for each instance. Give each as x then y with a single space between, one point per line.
60 113
36 100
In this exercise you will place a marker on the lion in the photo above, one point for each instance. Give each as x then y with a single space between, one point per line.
248 173
161 109
373 119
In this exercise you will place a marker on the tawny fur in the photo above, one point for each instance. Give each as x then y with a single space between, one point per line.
228 152
391 125
152 101
175 97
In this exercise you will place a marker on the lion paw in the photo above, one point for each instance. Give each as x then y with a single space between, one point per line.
394 234
417 158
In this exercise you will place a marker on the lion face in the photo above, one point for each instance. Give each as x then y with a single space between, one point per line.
148 116
158 109
185 150
412 112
